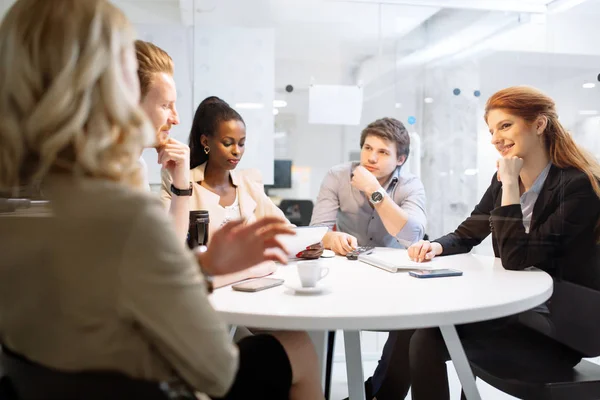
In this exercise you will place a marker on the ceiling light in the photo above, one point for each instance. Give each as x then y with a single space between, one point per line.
279 103
471 171
588 112
275 111
589 85
398 105
250 106
428 100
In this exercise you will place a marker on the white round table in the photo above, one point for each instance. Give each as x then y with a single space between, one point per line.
359 296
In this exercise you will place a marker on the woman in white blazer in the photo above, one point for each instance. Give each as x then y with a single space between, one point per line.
217 143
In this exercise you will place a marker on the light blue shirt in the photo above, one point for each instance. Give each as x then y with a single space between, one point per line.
339 203
528 198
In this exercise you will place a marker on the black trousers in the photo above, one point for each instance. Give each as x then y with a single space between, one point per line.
417 359
264 370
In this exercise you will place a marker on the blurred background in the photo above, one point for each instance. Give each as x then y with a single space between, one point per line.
308 75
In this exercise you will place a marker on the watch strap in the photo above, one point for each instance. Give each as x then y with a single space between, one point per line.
181 192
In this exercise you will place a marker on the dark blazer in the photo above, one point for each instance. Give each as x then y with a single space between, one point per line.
561 239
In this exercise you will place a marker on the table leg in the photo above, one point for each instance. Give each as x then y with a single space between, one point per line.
354 367
319 339
329 366
460 361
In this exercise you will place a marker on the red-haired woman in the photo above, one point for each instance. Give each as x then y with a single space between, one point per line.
542 208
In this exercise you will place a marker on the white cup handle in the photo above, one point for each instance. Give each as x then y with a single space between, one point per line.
323 275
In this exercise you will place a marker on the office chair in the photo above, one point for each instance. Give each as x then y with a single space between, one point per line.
298 212
24 379
575 323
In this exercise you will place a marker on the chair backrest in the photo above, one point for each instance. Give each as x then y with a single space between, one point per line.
30 380
574 317
298 212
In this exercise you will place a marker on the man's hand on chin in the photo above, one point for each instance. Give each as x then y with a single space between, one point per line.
174 156
364 180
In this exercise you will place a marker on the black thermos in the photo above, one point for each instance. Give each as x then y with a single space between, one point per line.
198 229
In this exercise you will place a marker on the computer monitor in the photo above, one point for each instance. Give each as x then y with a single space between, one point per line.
282 175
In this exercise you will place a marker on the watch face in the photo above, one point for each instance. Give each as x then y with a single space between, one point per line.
376 197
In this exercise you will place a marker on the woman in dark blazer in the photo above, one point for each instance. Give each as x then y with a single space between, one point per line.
542 209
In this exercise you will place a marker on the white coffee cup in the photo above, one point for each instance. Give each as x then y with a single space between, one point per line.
311 272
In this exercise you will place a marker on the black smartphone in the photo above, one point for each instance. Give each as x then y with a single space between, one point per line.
256 285
434 273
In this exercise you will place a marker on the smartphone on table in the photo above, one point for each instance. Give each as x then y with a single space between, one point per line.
434 273
256 285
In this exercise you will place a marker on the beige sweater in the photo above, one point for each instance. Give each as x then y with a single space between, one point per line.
105 284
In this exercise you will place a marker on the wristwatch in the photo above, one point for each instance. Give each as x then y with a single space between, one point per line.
208 278
377 196
181 192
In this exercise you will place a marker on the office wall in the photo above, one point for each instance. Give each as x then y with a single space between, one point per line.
313 148
238 65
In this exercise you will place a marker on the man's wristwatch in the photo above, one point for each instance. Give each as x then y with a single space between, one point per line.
181 192
208 278
377 196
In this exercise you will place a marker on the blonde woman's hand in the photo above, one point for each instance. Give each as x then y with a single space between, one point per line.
236 246
424 250
263 269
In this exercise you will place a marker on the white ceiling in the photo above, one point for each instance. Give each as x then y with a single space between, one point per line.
589 8
330 38
489 5
319 29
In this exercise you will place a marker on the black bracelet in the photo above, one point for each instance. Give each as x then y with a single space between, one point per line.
181 192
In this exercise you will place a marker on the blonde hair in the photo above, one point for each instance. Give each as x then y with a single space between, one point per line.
65 104
151 60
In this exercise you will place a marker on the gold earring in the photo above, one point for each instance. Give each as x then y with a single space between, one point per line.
206 149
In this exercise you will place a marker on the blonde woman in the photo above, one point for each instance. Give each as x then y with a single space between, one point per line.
103 284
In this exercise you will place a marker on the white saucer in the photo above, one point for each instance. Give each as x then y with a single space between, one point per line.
327 254
299 289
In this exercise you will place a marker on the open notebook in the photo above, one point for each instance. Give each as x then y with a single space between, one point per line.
392 260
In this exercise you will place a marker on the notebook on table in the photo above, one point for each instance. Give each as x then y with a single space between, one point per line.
392 260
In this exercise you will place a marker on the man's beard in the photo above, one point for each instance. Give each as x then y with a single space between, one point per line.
162 137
